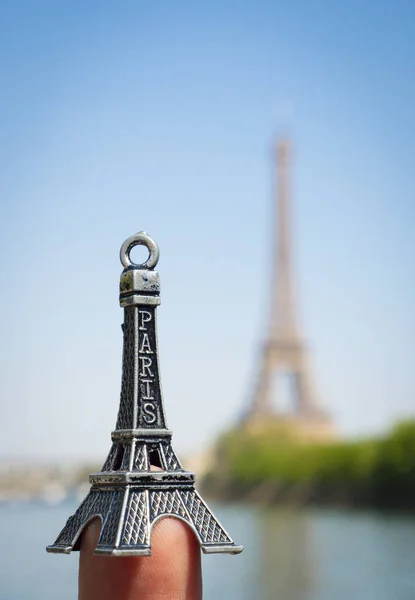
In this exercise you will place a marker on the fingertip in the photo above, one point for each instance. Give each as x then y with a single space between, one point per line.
172 572
90 536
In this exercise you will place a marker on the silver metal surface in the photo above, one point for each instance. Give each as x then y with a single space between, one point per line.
128 495
141 238
139 280
133 299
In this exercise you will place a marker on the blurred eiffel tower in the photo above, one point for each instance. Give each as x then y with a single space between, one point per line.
284 348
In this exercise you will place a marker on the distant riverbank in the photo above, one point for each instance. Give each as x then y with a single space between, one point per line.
269 466
52 483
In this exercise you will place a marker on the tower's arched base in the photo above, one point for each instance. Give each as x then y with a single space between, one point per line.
129 513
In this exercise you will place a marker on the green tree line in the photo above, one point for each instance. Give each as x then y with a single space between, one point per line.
271 466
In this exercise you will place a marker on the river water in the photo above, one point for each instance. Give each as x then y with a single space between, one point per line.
289 555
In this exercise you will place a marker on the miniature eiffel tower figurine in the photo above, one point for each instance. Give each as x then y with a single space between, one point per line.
127 494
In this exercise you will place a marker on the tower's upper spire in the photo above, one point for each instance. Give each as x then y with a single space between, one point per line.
283 309
283 151
141 405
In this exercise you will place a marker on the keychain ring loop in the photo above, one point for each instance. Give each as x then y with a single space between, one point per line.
141 238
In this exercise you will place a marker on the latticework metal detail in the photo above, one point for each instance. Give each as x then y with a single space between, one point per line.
208 528
141 458
171 461
125 413
94 504
168 503
136 521
126 457
111 519
108 464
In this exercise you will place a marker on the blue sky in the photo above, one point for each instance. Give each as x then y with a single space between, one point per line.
116 117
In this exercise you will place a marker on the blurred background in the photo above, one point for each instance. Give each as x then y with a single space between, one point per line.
164 116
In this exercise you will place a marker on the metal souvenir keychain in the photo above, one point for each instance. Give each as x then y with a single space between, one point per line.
127 495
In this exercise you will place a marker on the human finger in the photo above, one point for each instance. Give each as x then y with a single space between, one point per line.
173 572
